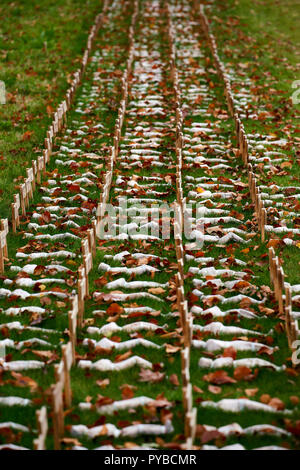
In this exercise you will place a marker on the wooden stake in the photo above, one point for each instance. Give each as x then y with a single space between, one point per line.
263 224
42 425
68 361
2 248
5 229
58 414
73 315
23 198
280 285
185 366
82 289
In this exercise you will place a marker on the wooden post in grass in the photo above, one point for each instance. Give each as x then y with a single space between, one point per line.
23 198
92 241
187 398
88 264
180 266
190 428
58 413
42 426
288 295
253 192
81 294
241 139
116 146
289 325
259 211
94 228
2 249
14 216
73 316
237 126
68 361
28 191
187 325
34 170
288 312
280 276
257 201
85 249
263 224
245 150
185 366
100 214
30 176
276 280
5 229
15 212
40 168
271 263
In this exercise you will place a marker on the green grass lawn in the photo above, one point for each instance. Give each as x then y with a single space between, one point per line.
260 40
41 44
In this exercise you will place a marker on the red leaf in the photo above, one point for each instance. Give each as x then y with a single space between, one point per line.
229 352
218 377
243 373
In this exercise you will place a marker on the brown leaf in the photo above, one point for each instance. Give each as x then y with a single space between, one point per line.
214 389
147 375
115 309
294 400
122 357
265 398
26 136
101 281
265 350
102 383
229 352
273 242
294 428
60 304
38 270
49 109
170 349
250 392
101 400
23 381
197 389
45 300
45 217
71 440
46 355
286 164
291 372
107 297
156 290
277 404
218 377
208 436
127 391
74 188
243 373
174 380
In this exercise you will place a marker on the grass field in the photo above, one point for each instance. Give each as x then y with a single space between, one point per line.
260 40
40 49
41 43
